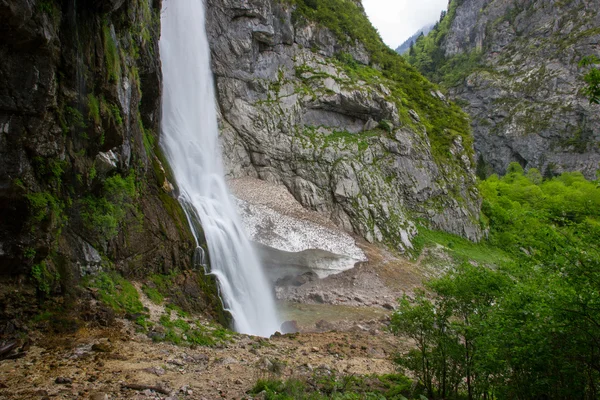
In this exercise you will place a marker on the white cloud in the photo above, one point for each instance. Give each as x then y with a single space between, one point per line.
396 20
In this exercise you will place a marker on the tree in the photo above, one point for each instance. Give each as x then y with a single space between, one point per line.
591 78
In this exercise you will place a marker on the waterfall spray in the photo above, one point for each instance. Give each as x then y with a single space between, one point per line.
190 142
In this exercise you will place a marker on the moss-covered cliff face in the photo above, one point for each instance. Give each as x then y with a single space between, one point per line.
83 186
312 99
514 66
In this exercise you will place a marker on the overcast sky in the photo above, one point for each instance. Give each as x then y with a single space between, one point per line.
397 20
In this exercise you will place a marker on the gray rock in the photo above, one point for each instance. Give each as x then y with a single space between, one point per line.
290 115
526 103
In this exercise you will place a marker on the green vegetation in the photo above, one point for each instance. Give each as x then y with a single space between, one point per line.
44 206
528 326
104 213
117 292
323 386
186 332
410 90
459 248
43 278
93 108
427 55
591 78
111 53
153 294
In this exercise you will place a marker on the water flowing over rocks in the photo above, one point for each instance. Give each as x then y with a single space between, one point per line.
290 115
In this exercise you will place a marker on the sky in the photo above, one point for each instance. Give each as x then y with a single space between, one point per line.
397 20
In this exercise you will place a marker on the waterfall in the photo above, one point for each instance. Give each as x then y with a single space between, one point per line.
190 142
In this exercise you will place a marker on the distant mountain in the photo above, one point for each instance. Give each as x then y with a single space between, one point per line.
403 48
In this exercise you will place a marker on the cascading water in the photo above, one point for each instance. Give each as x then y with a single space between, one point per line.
190 142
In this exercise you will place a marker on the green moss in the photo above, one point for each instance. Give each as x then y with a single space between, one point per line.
94 108
43 278
112 57
74 119
184 332
117 292
44 206
102 214
153 294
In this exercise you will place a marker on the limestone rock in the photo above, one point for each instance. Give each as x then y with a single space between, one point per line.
526 103
292 116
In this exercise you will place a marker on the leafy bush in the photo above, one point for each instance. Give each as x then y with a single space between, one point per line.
529 326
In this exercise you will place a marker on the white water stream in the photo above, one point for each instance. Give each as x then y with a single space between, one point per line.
190 142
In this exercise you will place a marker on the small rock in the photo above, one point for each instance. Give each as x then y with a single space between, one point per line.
101 348
324 325
40 392
388 306
289 327
99 396
314 349
63 381
158 371
414 115
265 363
238 382
227 361
317 297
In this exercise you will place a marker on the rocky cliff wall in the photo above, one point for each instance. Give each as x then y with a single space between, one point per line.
303 107
525 97
82 182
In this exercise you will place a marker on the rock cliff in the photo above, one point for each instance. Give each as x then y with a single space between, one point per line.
82 185
523 84
308 105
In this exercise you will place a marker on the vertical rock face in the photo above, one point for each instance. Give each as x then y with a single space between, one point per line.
81 181
525 98
294 112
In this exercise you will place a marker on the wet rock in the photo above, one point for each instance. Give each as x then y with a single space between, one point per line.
289 327
324 325
317 297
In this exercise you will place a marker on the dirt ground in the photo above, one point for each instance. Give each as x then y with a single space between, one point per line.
343 332
98 364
